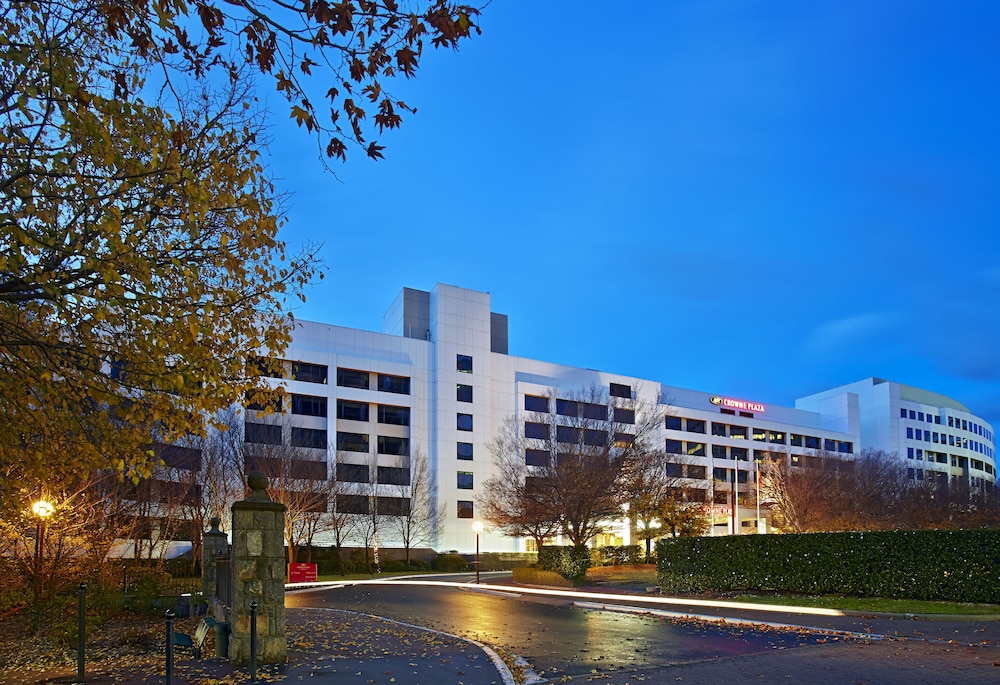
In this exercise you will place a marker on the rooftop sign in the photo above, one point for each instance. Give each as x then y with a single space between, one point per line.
741 405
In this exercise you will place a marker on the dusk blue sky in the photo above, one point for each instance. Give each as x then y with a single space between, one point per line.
762 200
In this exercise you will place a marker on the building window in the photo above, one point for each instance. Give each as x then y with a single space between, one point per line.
392 506
464 480
393 476
595 438
760 435
395 384
309 373
308 405
619 390
567 434
351 378
845 447
829 445
464 451
396 446
352 442
696 449
396 416
674 470
352 473
352 504
909 453
536 403
812 442
909 432
567 408
463 363
913 414
920 435
674 447
465 510
464 422
696 471
902 413
537 431
308 437
352 411
599 412
262 433
920 416
537 458
796 440
738 453
719 429
673 423
738 432
463 393
695 426
719 452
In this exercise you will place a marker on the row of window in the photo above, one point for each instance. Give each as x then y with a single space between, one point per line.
736 432
576 436
362 504
953 422
270 434
942 458
946 439
697 449
354 378
361 473
358 442
579 409
359 411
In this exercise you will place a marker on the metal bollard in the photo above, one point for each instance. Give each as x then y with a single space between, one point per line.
170 648
81 633
253 641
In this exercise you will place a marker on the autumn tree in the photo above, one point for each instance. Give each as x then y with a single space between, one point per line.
140 261
578 451
801 497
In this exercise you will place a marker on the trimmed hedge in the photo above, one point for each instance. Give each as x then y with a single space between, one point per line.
450 563
570 562
536 576
952 565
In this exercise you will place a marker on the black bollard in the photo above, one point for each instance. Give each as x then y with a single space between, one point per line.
170 648
81 633
253 641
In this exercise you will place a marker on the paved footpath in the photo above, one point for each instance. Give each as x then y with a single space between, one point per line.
329 646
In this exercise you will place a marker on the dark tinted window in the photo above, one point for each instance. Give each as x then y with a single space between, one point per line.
393 506
308 437
536 458
308 405
352 442
352 411
464 451
464 422
352 504
310 373
465 510
674 447
567 434
351 378
464 480
397 384
673 423
463 393
393 476
535 403
567 408
463 363
398 416
261 433
599 412
695 426
618 390
539 431
390 445
352 473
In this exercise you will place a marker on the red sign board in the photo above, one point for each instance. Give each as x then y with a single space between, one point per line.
301 573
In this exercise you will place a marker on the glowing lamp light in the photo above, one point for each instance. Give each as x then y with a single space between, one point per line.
42 508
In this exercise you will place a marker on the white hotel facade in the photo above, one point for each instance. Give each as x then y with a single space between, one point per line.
439 380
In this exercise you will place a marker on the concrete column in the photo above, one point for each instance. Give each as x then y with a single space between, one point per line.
258 575
212 542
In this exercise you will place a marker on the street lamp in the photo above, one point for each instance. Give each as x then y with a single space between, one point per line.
478 528
42 510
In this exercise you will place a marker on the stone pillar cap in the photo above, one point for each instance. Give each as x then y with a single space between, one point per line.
258 487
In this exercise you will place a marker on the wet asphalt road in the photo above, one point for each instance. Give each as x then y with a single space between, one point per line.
556 638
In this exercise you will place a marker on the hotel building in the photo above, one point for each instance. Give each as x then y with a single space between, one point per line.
439 380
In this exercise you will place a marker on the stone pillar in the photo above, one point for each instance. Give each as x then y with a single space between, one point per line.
258 575
212 542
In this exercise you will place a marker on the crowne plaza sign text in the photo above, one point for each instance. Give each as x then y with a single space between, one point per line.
741 405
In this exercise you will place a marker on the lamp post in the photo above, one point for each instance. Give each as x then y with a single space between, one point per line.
42 509
478 528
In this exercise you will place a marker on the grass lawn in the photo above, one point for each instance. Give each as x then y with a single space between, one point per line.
645 574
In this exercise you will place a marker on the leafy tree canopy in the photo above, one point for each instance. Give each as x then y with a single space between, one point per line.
140 263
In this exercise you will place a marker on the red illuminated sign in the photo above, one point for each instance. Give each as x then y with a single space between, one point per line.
741 405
